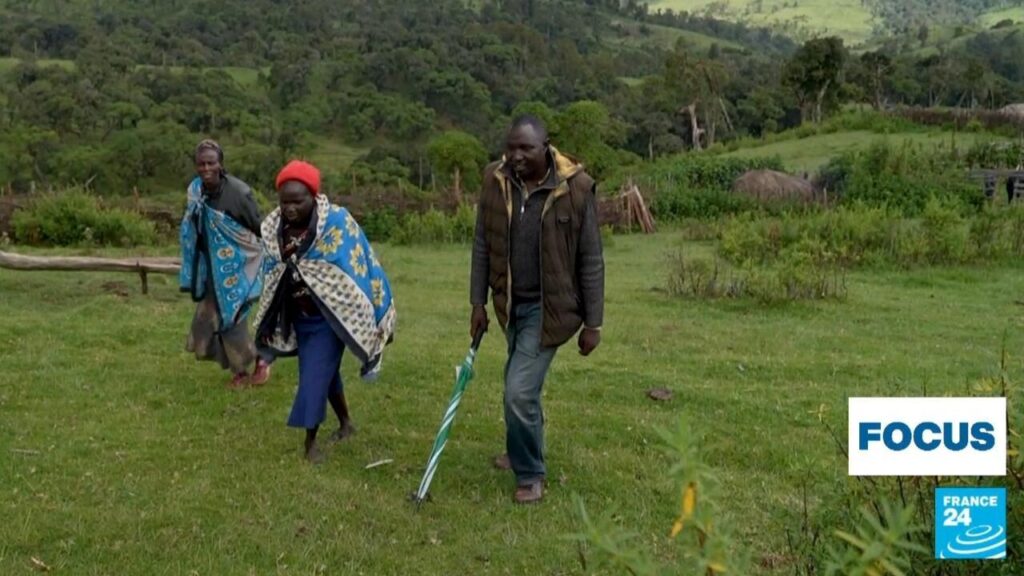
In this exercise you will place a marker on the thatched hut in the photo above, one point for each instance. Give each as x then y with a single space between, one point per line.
769 185
1015 111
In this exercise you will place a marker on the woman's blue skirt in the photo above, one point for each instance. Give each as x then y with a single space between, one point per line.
320 353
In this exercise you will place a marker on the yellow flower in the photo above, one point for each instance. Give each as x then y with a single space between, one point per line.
717 567
226 252
231 281
330 242
378 292
689 502
351 226
357 261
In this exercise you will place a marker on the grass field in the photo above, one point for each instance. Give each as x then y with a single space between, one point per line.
7 64
849 19
1015 13
246 77
666 37
120 454
809 154
333 155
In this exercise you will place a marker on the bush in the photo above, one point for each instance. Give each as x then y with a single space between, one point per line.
680 202
859 235
804 272
994 154
380 225
76 218
944 232
903 178
436 227
691 171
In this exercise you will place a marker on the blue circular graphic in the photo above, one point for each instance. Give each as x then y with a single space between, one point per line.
980 541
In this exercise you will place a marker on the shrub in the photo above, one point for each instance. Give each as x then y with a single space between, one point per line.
681 202
380 225
902 177
860 235
805 272
74 217
691 171
436 227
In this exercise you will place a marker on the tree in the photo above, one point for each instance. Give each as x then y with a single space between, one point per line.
586 130
877 68
815 73
458 158
697 85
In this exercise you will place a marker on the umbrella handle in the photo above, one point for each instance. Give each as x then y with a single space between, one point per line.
477 338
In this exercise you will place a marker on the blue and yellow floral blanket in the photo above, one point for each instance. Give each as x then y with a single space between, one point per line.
215 246
345 278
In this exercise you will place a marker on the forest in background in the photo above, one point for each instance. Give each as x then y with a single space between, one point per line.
414 97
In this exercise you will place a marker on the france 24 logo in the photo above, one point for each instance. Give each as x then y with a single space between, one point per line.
927 436
970 523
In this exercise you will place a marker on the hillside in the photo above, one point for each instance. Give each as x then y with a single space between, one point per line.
849 19
112 94
394 99
856 21
811 153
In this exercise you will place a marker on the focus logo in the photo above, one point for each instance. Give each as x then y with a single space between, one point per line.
927 436
970 523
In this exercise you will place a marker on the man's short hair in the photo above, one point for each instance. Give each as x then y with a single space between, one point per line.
533 122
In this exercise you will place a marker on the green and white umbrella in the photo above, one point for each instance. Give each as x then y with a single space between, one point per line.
463 374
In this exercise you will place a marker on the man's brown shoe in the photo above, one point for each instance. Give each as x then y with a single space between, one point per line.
502 462
530 493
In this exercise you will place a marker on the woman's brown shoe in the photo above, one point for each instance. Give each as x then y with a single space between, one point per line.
502 462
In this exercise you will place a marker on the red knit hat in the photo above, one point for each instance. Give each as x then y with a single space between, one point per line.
302 172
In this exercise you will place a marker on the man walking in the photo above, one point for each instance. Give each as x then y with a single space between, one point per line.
538 249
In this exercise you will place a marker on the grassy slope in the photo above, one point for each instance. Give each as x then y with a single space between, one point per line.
246 77
144 464
7 64
666 37
1015 13
809 154
846 18
334 155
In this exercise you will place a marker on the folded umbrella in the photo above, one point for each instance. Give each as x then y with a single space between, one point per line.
463 374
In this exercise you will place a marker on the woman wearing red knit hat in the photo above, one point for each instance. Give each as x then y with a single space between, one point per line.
324 291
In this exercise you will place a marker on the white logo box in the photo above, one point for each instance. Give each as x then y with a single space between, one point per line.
880 460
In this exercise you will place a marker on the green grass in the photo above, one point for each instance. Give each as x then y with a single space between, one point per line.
120 454
7 64
1015 13
666 37
333 155
942 38
810 153
846 18
245 77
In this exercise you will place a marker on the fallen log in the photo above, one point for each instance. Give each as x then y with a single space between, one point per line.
141 266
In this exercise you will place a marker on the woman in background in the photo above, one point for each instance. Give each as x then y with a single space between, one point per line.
221 266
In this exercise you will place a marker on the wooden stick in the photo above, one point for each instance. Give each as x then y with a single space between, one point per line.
14 261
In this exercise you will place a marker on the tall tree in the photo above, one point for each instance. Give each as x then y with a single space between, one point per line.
877 69
815 74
